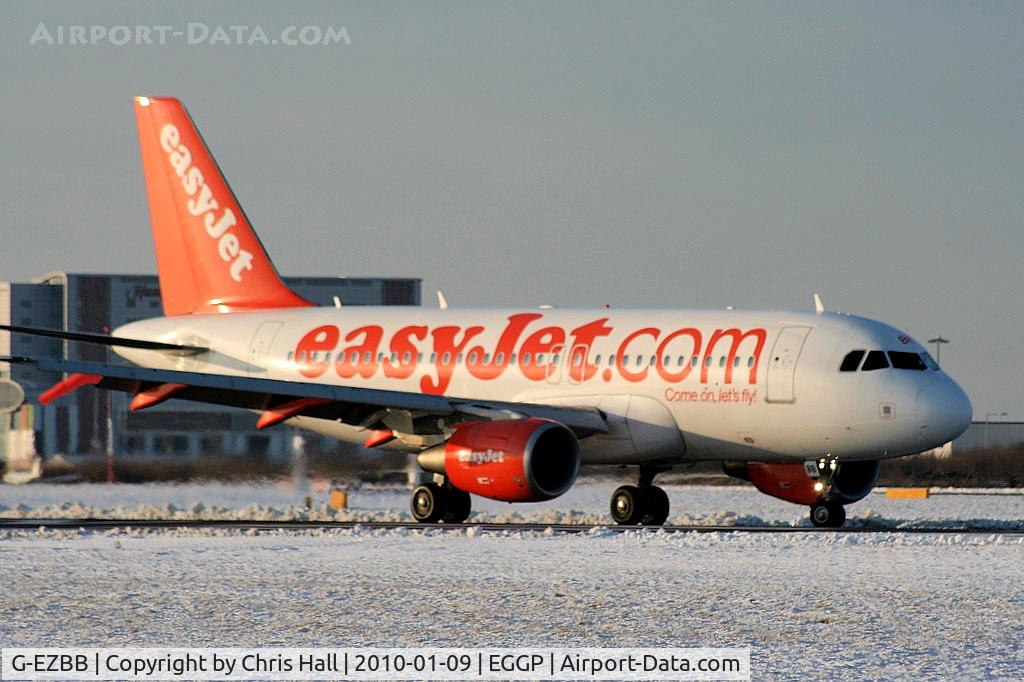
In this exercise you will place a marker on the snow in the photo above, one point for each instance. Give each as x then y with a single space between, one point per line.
587 502
819 605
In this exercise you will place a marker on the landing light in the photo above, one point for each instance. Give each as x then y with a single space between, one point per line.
143 101
819 486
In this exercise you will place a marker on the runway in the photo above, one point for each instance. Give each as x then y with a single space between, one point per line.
299 525
250 564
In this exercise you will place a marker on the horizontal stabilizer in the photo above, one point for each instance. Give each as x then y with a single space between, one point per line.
104 339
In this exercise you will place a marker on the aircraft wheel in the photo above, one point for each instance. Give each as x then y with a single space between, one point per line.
828 515
428 503
627 505
656 506
457 506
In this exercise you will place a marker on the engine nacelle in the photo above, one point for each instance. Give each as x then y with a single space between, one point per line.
515 460
792 481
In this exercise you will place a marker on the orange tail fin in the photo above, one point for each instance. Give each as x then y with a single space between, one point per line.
208 256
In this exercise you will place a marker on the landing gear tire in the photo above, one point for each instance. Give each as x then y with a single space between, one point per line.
428 503
656 506
828 515
627 505
457 506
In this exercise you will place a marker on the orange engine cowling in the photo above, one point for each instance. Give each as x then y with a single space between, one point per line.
791 481
515 460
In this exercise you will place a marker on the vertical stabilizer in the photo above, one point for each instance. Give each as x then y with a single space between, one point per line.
208 257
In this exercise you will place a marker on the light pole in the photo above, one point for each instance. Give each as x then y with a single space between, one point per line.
988 415
938 341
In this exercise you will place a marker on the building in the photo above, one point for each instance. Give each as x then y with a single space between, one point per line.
996 433
93 422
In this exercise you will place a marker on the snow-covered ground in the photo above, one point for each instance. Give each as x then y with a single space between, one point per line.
822 605
587 502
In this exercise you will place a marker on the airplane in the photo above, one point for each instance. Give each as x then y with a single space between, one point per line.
508 404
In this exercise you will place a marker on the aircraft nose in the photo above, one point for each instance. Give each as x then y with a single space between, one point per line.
944 411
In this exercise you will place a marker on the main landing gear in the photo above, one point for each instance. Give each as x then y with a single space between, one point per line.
641 504
432 502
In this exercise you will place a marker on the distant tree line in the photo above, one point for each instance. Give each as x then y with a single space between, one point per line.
993 467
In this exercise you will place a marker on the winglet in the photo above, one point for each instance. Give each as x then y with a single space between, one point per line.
442 302
819 307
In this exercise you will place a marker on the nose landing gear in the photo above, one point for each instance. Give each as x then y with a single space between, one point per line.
826 512
641 504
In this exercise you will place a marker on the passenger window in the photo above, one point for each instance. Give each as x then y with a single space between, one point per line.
433 358
487 358
327 357
707 361
367 356
499 358
394 358
290 355
406 358
736 361
693 363
852 361
750 361
526 358
472 358
597 359
354 358
419 358
876 360
459 359
905 360
540 358
653 360
555 359
512 360
302 356
681 361
446 359
721 361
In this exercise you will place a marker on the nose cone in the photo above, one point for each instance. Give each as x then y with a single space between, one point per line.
944 412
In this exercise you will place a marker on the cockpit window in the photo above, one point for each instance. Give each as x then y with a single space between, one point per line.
852 361
929 361
905 360
876 360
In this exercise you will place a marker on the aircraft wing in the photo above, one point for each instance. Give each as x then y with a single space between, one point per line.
381 411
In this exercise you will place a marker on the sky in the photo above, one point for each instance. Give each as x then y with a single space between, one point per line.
637 154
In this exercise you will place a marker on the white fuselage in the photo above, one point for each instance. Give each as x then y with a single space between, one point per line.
675 385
